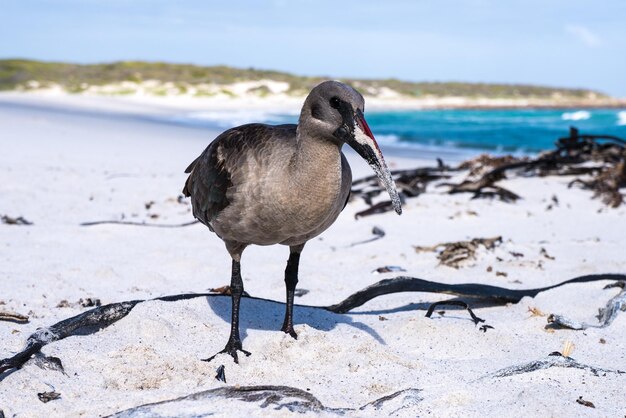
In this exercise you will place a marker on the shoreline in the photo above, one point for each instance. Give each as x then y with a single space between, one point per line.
181 113
140 111
283 103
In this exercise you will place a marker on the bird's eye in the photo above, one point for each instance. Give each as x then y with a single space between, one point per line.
334 102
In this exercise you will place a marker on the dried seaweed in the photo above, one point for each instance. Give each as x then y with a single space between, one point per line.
83 303
607 183
460 303
410 183
91 320
387 269
46 397
381 207
9 220
454 254
378 234
13 317
299 292
274 397
553 360
583 402
103 316
220 374
603 157
48 362
484 163
605 316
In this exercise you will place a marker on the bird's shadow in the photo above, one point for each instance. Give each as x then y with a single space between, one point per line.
262 314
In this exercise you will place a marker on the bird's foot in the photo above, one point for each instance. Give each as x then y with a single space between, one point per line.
288 329
232 346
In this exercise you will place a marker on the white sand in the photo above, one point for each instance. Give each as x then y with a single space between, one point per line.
59 168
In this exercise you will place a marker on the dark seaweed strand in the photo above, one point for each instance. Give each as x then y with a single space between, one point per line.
99 317
432 307
492 293
103 316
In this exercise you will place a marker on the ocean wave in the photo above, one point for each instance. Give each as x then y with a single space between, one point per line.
578 115
444 132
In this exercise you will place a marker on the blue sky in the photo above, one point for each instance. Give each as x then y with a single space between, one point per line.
572 43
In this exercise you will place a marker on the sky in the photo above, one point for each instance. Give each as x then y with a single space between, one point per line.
563 43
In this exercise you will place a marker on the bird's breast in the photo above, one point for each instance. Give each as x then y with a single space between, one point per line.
281 204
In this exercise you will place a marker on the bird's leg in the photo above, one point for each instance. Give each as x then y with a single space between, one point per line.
234 341
291 279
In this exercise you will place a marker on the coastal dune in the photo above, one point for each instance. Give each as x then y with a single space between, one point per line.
67 161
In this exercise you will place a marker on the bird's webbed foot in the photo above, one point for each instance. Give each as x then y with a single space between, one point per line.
232 346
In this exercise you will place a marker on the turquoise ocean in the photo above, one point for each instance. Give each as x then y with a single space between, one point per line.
461 132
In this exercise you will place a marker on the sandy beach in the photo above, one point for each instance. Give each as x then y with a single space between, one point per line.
69 160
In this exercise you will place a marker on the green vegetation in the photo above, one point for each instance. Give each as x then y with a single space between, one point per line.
75 78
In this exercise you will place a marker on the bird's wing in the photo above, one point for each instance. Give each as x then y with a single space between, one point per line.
210 173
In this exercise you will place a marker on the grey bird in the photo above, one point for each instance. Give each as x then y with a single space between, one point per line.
285 184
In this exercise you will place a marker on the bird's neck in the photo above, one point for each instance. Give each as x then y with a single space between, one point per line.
316 163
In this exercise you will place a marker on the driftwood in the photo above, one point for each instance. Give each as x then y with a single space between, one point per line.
603 157
103 316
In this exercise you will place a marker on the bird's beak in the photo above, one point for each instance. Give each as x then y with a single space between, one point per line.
365 145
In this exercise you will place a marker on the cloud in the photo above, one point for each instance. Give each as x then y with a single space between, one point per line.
584 35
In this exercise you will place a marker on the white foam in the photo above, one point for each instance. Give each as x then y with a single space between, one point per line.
621 118
578 115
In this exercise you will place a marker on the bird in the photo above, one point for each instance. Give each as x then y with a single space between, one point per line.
259 184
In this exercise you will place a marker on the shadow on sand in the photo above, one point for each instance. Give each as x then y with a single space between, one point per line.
267 315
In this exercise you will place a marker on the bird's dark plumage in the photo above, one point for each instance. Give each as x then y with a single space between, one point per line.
209 175
285 184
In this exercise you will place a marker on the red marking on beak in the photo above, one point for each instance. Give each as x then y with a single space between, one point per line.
360 120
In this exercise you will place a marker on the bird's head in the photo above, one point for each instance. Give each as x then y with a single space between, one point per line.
334 111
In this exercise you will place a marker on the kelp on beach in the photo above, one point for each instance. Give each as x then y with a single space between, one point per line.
597 163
